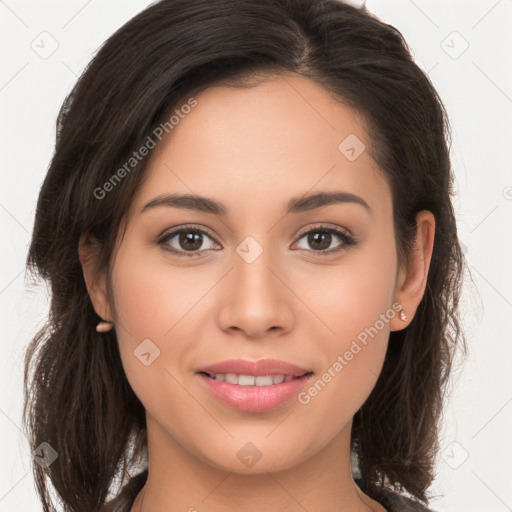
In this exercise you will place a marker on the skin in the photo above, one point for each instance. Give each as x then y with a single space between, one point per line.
247 148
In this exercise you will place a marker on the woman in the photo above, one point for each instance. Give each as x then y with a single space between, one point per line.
255 272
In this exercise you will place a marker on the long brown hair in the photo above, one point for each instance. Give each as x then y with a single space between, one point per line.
77 397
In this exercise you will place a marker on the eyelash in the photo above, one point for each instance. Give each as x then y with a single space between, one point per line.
348 240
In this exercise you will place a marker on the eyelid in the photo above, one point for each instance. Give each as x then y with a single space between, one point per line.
192 227
325 226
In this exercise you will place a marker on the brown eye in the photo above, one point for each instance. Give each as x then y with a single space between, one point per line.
190 241
321 238
187 240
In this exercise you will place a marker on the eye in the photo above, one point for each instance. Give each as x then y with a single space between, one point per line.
321 237
189 239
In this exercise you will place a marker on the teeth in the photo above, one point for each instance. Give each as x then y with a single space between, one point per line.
252 380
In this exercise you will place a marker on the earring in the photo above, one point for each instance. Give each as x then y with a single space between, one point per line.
104 326
403 316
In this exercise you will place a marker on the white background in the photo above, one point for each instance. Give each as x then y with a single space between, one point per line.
474 470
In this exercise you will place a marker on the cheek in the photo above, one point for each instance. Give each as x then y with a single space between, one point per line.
349 296
153 298
151 311
160 310
353 302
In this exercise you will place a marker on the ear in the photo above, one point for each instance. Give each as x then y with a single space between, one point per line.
88 250
412 278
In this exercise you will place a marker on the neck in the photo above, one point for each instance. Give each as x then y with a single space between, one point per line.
178 480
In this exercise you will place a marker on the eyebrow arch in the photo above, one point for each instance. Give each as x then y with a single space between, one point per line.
295 205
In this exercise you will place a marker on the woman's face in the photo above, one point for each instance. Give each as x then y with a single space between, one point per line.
257 281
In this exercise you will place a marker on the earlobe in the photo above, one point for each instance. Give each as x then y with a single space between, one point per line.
95 281
413 279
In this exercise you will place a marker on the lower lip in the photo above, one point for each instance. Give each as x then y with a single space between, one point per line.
254 398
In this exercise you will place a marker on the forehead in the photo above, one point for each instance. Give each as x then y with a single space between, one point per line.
284 136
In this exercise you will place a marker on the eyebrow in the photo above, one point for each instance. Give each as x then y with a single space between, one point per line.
295 205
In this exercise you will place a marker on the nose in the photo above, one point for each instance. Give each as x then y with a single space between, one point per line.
255 299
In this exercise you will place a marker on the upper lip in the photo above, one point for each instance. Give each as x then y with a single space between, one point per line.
256 368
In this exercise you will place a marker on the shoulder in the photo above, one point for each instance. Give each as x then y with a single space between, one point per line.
394 502
124 500
398 503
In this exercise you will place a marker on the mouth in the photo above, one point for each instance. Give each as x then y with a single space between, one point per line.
253 386
247 372
254 380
